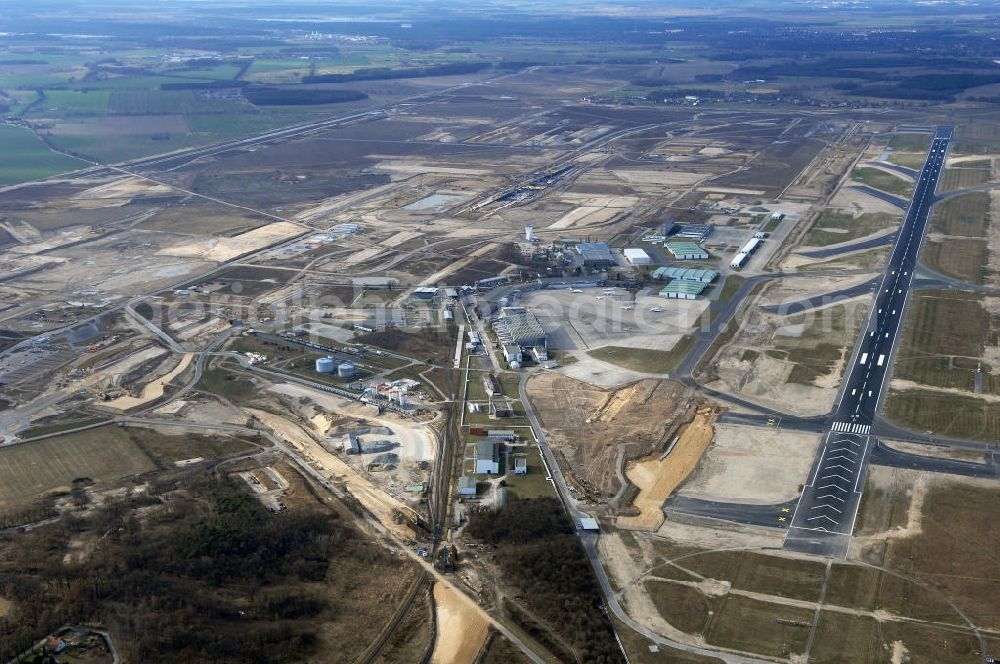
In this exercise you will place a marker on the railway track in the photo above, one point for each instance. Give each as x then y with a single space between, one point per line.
378 645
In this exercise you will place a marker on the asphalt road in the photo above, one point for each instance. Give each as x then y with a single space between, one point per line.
901 203
789 308
884 455
825 514
880 241
772 516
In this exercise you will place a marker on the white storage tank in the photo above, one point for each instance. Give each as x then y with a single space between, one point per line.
325 365
346 370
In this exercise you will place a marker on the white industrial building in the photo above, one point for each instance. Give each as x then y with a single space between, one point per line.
487 457
512 354
637 256
466 486
751 246
740 259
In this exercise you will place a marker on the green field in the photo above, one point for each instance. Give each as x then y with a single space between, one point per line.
645 360
74 102
229 384
879 179
913 160
946 415
943 340
533 484
960 258
846 639
760 627
24 157
686 608
772 575
911 142
965 175
833 227
967 215
103 455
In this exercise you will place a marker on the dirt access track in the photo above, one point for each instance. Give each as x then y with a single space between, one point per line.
659 477
375 500
461 630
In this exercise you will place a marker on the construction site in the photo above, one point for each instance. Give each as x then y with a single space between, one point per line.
639 317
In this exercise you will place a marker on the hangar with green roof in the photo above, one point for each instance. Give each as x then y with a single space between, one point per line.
683 290
685 274
682 250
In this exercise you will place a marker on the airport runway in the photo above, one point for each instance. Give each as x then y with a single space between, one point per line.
825 514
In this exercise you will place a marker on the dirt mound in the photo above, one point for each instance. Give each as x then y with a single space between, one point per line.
587 425
659 476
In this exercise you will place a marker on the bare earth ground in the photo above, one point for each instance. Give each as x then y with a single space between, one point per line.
152 390
461 632
752 465
790 363
368 494
586 424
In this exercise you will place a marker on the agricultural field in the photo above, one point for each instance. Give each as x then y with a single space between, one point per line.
101 456
943 341
170 102
104 456
944 414
961 258
965 175
965 216
24 157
